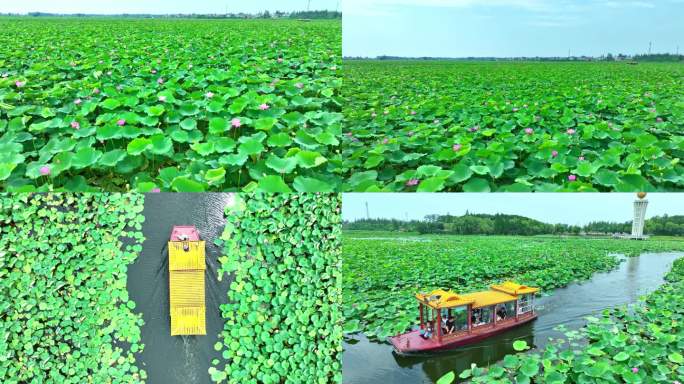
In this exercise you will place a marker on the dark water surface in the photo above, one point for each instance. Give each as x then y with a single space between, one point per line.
177 359
371 362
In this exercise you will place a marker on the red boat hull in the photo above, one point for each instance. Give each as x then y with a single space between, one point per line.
188 230
413 343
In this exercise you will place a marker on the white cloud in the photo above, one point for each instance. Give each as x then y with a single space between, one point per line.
629 4
385 7
388 7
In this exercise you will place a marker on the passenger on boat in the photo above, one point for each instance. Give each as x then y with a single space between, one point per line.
427 332
475 317
184 238
501 314
450 325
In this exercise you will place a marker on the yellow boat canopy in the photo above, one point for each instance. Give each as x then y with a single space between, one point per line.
186 288
498 294
514 289
442 299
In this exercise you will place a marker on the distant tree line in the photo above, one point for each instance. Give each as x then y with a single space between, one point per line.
501 224
659 225
323 14
659 57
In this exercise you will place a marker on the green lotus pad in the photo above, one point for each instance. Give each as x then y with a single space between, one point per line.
65 314
108 105
512 127
284 303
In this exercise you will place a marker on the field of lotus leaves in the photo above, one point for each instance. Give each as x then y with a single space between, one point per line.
65 315
642 343
382 271
283 316
479 127
169 105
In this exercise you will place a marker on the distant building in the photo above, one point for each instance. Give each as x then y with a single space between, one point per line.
640 205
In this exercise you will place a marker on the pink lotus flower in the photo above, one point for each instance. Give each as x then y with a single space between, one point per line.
571 131
436 121
410 133
413 112
154 71
385 141
456 147
209 95
19 84
109 73
635 370
96 91
156 190
45 170
264 107
160 81
529 131
412 182
572 178
581 158
162 99
515 109
334 68
236 123
659 119
475 128
554 154
299 85
78 101
374 114
189 66
75 125
121 122
119 87
599 101
280 60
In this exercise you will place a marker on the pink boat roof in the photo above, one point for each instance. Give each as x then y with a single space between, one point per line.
189 231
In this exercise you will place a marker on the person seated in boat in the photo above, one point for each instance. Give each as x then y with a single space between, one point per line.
427 332
184 238
475 317
501 314
450 325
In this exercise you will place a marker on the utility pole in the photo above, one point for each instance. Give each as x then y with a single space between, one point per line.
650 45
308 6
367 212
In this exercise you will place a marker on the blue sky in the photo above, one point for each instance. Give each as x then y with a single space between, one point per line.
160 6
568 208
505 28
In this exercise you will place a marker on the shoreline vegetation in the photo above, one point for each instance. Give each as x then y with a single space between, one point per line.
318 14
502 224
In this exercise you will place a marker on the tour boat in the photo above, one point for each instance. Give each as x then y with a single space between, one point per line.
470 317
186 281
